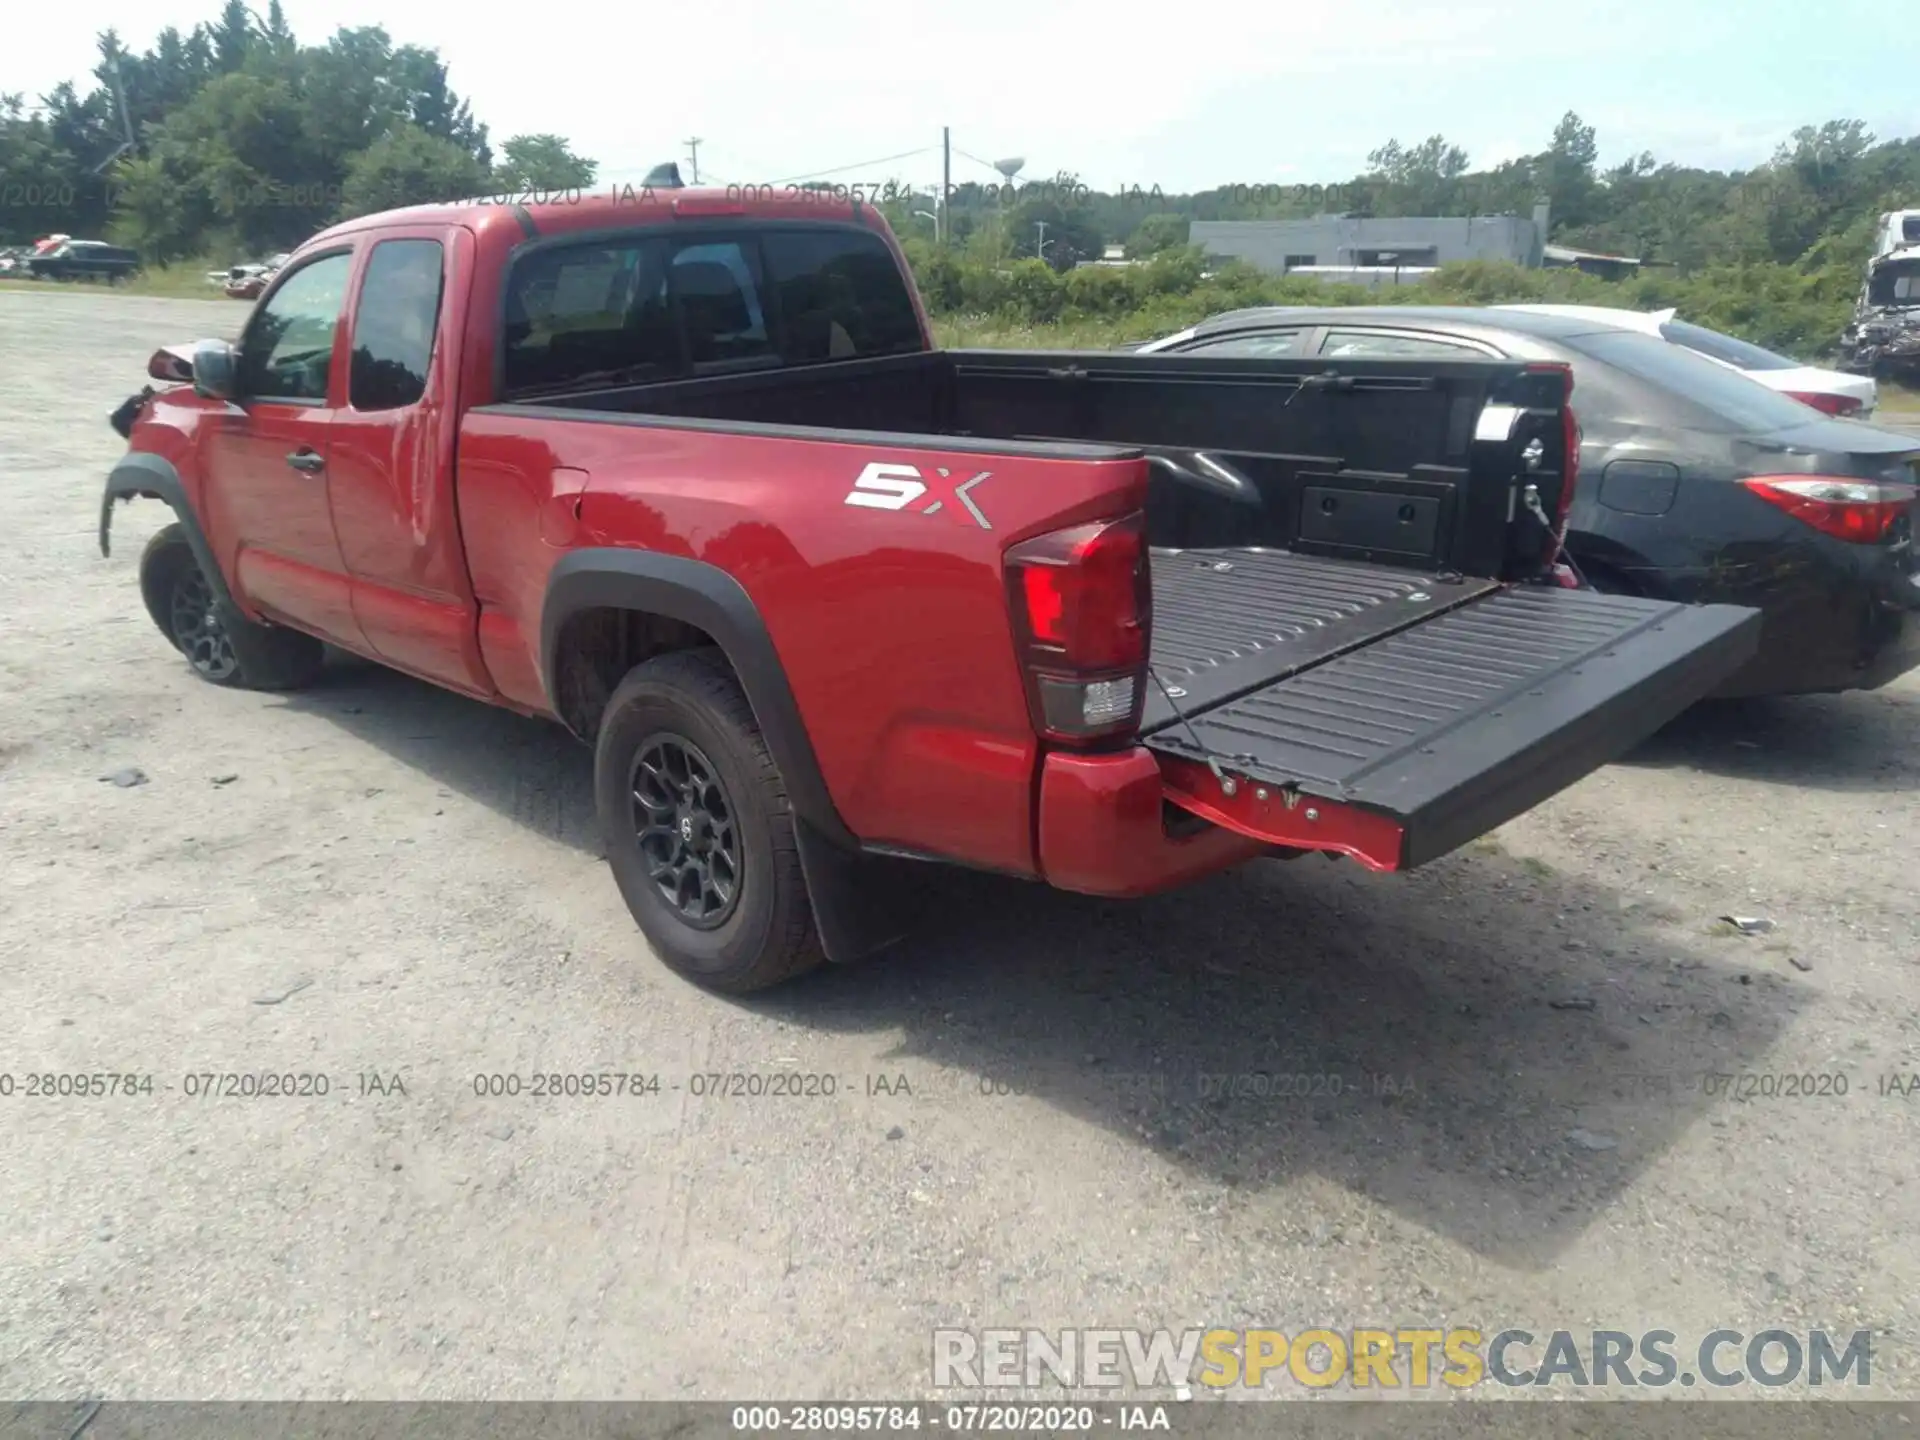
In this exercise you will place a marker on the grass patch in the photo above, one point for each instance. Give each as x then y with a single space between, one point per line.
1899 399
995 332
185 280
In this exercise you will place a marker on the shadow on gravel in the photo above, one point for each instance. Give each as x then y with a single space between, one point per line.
1492 1050
1859 741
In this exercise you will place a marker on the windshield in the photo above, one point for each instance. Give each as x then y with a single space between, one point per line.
1895 284
1739 404
1715 346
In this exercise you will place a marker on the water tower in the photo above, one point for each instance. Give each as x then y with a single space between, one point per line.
1010 168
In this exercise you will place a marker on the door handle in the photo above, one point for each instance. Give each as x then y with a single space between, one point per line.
308 462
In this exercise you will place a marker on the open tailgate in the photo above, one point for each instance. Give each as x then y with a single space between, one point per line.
1426 709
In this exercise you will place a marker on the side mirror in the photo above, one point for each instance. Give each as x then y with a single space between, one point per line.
216 370
171 362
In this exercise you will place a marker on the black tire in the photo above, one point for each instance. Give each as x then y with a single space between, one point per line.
729 797
224 648
1605 578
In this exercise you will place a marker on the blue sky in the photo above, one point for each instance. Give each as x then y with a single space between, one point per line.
1279 91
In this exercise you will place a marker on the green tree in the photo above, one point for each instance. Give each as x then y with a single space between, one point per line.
44 185
1157 233
1057 210
232 36
407 166
1423 179
542 162
1565 173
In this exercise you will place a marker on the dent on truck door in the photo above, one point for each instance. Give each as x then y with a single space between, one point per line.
264 462
392 456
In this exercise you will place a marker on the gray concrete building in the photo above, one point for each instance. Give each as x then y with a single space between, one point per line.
1344 242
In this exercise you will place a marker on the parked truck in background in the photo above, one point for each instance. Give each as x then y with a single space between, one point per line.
70 259
685 473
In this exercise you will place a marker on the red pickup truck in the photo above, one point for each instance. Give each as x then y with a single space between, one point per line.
686 474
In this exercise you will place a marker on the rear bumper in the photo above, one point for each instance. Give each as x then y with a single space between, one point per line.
1853 624
1394 752
1104 829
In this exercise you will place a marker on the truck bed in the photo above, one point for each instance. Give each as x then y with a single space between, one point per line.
1443 704
1339 570
1382 460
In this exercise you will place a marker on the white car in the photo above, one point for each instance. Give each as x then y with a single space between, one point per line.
1851 397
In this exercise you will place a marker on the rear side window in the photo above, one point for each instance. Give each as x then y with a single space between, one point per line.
1266 345
587 314
1735 402
653 307
394 325
1393 345
839 294
1715 346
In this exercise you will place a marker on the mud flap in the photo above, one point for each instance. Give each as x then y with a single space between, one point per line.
861 903
1408 744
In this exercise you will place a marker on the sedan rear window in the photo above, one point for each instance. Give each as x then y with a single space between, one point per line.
1715 346
1733 400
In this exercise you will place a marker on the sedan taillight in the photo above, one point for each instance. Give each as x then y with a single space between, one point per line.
1861 512
1840 405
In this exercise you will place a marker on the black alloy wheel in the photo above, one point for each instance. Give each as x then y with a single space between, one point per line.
686 825
197 628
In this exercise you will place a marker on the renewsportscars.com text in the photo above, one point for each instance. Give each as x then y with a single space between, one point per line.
1400 1358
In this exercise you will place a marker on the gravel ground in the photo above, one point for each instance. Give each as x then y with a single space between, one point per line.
401 889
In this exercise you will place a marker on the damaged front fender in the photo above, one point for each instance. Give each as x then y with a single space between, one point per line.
129 411
154 478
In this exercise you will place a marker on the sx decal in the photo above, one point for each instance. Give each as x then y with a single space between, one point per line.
896 487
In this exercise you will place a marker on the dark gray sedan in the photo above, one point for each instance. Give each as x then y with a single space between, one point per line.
1696 484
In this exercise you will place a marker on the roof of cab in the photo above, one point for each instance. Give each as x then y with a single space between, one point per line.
613 206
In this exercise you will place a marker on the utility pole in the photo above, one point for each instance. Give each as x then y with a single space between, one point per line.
126 119
943 228
1040 246
693 156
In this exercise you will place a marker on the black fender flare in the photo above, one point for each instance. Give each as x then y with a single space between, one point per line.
850 909
696 593
141 474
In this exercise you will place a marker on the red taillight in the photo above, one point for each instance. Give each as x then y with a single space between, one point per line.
1571 441
1862 512
1570 450
1082 609
1842 405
